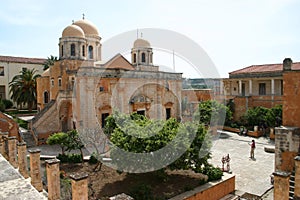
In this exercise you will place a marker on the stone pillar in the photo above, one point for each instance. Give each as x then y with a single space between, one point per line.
79 186
297 178
22 159
272 86
250 87
12 151
4 146
53 179
240 87
35 173
281 185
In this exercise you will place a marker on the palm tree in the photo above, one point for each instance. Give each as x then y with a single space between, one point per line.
49 62
23 88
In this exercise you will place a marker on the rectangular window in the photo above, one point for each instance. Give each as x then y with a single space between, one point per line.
262 89
168 113
103 117
101 89
1 71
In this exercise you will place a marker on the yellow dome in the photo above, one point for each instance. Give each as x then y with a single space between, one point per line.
87 27
141 43
72 31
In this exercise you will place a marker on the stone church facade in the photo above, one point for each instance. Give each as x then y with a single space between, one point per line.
81 90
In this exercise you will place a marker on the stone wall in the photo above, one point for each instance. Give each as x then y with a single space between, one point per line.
286 147
9 125
213 190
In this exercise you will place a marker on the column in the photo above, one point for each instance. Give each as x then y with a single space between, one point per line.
250 87
53 179
35 173
12 151
272 87
79 186
297 178
240 87
22 159
281 185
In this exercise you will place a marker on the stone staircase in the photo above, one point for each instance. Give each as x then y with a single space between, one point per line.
292 186
28 138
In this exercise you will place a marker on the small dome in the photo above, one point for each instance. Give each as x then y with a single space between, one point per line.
72 31
46 73
141 43
87 27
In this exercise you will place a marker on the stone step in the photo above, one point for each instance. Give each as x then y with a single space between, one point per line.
28 138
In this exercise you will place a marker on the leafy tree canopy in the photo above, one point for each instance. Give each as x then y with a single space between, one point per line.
137 134
23 88
212 112
49 62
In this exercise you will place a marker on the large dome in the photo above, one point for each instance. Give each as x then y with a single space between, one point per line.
72 31
141 43
87 27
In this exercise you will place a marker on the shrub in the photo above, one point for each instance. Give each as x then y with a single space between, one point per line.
8 103
70 158
93 159
213 173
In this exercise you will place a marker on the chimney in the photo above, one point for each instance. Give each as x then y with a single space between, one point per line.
287 64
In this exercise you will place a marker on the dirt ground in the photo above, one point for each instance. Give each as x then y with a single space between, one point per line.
108 182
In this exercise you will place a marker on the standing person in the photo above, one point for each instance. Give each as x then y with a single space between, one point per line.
252 145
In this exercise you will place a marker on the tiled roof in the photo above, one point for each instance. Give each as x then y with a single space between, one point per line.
22 60
264 68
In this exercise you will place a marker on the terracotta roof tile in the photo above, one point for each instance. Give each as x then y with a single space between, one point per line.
22 60
264 68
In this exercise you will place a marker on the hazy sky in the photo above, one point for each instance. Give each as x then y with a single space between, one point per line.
234 33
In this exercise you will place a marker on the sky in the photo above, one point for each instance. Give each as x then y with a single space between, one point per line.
233 33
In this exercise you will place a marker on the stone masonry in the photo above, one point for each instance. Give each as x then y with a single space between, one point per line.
79 186
35 173
53 179
22 159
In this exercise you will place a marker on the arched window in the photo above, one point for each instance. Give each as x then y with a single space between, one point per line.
46 97
91 56
72 49
143 57
83 50
62 50
59 82
134 58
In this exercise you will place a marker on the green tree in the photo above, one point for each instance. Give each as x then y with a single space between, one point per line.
73 142
212 112
23 88
61 139
49 62
137 134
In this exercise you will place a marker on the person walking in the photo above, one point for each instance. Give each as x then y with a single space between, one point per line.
252 145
